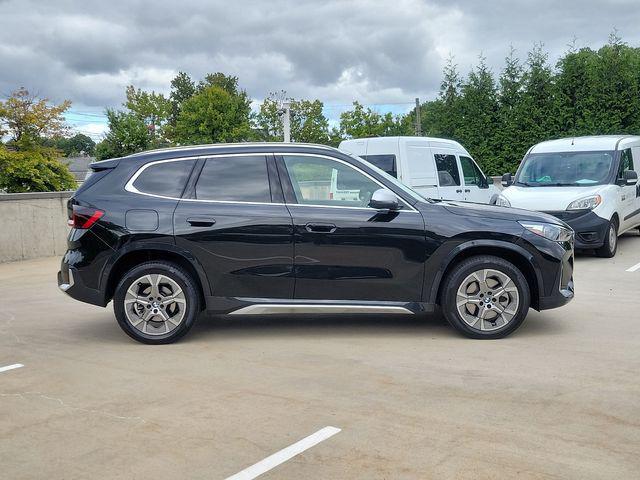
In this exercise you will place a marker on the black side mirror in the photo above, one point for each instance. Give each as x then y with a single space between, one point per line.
384 199
506 180
630 177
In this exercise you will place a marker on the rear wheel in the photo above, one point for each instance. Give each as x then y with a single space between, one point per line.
610 247
156 302
485 297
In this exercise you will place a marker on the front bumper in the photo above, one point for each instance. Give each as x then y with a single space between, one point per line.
591 230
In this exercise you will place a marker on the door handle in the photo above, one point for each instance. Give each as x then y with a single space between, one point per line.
459 190
467 190
200 221
320 227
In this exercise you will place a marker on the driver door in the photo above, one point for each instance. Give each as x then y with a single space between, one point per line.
343 249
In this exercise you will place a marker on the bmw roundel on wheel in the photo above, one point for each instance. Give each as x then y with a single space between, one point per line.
257 229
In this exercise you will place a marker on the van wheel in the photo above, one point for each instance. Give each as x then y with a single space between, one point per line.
485 297
610 247
156 302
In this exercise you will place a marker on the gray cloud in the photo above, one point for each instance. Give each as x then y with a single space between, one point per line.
374 51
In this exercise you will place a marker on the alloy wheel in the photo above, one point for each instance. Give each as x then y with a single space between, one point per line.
487 300
155 304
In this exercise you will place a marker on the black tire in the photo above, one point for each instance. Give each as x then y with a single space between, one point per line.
610 246
457 276
173 272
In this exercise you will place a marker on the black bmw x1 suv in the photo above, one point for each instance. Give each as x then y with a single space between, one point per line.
274 228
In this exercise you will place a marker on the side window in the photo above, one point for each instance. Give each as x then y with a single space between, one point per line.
234 179
383 162
470 172
448 175
626 162
166 179
322 181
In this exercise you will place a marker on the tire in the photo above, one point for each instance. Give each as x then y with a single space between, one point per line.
135 308
610 247
481 318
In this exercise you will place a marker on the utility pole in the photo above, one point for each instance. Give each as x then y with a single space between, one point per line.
418 119
286 121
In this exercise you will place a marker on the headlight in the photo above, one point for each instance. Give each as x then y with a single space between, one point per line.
549 231
502 201
586 203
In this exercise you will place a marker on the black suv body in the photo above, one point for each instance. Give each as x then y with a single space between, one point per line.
292 228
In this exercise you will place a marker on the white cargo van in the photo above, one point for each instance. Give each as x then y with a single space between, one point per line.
589 182
433 167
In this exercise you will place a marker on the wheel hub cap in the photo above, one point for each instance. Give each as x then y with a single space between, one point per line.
487 300
155 304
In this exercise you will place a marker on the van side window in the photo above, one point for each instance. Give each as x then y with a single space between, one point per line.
234 179
626 162
470 171
383 162
165 179
448 175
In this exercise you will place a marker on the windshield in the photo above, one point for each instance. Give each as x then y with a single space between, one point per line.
556 169
412 193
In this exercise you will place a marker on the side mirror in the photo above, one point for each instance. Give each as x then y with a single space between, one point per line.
384 199
630 177
506 180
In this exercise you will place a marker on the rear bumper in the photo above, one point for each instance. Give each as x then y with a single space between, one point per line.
71 283
591 230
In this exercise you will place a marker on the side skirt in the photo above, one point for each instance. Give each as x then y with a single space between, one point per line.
271 306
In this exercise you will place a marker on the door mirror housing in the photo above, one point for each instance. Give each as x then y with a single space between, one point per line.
630 177
384 199
507 180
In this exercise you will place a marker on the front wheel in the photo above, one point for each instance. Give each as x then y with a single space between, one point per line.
485 297
610 247
156 302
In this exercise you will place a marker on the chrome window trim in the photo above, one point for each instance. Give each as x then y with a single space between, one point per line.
130 188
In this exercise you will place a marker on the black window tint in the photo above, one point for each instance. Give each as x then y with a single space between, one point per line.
626 162
166 179
448 174
383 162
236 179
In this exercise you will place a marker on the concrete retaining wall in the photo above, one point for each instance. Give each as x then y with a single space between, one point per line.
33 225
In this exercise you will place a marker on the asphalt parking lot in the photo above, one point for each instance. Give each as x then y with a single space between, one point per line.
412 399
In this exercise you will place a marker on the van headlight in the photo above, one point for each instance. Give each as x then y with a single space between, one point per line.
586 203
502 201
549 231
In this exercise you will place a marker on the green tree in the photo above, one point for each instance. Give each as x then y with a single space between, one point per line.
361 123
182 89
308 123
214 115
36 170
127 134
72 146
27 118
154 109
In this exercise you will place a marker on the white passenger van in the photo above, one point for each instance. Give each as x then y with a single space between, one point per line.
433 167
589 182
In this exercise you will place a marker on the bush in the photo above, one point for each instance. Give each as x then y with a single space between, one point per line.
33 171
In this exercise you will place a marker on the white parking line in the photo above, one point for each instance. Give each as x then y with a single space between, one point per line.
634 268
285 454
11 367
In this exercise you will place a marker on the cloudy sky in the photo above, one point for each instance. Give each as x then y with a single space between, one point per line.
382 53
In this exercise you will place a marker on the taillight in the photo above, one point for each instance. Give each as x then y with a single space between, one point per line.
84 217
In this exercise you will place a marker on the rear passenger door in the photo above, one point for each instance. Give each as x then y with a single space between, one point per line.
448 171
235 223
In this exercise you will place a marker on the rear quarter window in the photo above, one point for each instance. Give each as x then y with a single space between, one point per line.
165 179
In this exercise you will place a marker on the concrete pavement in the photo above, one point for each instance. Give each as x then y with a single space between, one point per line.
558 399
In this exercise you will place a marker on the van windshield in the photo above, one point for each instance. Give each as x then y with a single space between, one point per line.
559 169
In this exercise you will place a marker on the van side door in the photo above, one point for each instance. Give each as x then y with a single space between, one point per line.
628 194
448 174
476 185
